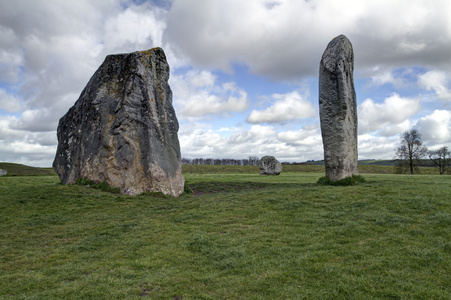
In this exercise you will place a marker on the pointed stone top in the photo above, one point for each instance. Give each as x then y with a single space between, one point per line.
142 52
338 49
340 40
149 52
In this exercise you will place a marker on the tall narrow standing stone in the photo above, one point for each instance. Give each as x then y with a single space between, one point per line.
123 128
338 109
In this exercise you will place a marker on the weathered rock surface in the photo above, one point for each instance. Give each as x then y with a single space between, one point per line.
338 109
3 172
269 165
123 128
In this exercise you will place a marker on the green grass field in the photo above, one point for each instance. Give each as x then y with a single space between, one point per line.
22 170
237 236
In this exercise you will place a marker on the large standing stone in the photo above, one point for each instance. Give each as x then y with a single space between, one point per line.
338 109
269 165
123 128
3 172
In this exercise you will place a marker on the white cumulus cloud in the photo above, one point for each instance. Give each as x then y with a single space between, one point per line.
436 127
389 117
50 49
286 107
259 140
9 103
29 148
134 28
437 81
285 40
198 95
309 135
386 77
377 147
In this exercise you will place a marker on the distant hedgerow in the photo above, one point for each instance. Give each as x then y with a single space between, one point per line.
353 180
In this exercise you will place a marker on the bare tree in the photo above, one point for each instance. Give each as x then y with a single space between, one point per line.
254 160
186 161
410 153
441 158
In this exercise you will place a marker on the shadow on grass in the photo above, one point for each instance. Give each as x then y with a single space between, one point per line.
210 187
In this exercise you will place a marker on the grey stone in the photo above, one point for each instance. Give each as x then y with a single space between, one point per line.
3 172
269 165
123 128
338 109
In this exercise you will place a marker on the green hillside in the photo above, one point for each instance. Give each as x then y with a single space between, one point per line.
375 162
365 167
22 170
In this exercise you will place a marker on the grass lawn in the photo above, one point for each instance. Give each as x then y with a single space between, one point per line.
22 170
238 236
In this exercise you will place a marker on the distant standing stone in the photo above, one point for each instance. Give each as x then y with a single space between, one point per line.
269 165
3 172
123 128
338 109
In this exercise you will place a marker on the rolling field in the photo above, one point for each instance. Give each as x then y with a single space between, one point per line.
237 236
22 170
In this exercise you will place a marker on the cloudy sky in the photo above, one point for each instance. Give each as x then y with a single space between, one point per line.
244 74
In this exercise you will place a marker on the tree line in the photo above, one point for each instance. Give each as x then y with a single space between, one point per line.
411 154
250 161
